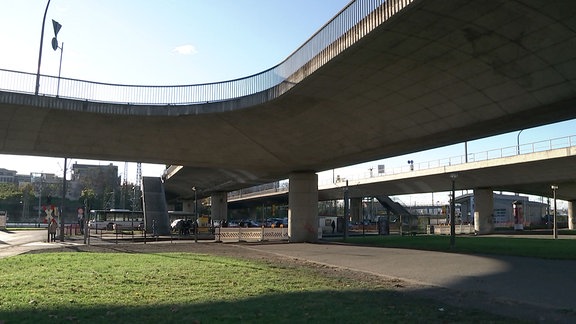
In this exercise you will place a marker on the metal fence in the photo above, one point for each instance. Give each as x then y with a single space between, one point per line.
255 234
351 24
535 147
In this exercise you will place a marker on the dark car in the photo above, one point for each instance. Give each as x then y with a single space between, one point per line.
249 223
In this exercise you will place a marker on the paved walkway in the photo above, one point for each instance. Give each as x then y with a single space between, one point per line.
544 290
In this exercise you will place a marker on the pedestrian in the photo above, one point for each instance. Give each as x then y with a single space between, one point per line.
154 229
333 226
81 220
52 230
82 224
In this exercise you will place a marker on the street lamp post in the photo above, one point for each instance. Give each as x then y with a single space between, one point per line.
63 202
196 215
453 176
40 196
555 230
346 210
518 142
85 223
40 52
55 46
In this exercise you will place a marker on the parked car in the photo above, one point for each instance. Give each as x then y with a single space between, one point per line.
249 223
274 222
233 223
175 224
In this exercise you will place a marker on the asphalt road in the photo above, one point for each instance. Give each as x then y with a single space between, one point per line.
16 242
538 289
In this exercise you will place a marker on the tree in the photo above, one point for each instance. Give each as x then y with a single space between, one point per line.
9 191
87 198
13 200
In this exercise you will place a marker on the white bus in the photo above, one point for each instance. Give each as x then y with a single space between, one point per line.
106 219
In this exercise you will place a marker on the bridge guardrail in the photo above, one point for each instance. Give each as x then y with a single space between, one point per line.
528 148
352 23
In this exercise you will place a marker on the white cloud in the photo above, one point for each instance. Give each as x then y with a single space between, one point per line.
185 50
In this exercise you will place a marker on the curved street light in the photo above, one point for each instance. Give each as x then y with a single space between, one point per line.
518 142
55 47
453 176
40 52
555 230
196 214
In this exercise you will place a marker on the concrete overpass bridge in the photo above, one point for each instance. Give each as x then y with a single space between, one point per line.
533 172
382 78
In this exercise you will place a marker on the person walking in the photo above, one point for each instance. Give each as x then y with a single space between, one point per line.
52 230
81 220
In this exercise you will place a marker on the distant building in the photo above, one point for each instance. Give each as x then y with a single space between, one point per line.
532 212
8 176
504 215
103 179
11 176
23 179
39 178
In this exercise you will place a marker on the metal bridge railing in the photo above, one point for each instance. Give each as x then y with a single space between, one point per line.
351 24
535 147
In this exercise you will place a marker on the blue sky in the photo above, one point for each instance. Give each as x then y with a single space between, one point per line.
160 42
183 42
154 43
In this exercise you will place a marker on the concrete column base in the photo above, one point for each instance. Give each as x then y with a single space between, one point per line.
303 207
483 211
356 209
219 207
188 206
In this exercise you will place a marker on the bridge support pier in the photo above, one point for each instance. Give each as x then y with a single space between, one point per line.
571 219
219 208
356 209
483 211
303 207
188 206
253 213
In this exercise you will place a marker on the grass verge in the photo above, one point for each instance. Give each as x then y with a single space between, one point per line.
562 249
197 288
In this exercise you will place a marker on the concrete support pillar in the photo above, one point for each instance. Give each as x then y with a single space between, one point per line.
252 213
483 211
356 209
188 206
219 206
303 207
571 219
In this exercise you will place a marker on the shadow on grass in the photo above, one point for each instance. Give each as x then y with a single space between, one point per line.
307 307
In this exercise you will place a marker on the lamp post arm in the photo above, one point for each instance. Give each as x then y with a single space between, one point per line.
40 52
60 70
518 141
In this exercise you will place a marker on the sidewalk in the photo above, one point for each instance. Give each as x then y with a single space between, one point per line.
543 290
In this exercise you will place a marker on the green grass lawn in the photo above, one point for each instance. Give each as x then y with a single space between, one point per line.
563 249
88 287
